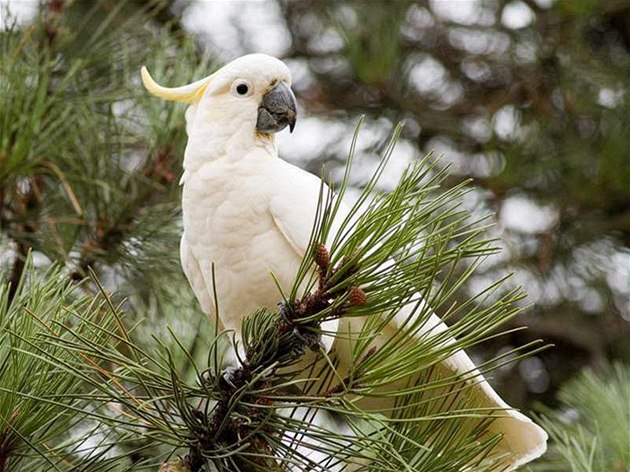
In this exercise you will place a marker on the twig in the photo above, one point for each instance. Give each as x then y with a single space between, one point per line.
25 203
6 444
222 427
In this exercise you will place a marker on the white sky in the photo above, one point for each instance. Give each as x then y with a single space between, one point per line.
238 27
21 10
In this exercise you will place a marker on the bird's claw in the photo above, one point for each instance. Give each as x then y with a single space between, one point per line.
228 376
309 338
206 377
284 309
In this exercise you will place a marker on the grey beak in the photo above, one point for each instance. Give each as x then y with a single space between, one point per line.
277 110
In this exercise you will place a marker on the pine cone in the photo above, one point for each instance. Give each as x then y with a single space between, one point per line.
356 296
322 257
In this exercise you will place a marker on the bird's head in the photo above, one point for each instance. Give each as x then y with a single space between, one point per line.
250 94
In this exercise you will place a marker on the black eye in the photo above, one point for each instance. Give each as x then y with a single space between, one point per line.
242 89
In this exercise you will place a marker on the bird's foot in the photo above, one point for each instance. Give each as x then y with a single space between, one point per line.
285 310
229 377
308 337
206 378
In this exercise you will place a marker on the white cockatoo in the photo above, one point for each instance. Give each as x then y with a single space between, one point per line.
248 214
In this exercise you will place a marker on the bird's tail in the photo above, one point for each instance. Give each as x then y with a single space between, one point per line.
521 440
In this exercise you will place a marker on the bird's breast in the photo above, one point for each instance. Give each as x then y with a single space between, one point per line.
228 224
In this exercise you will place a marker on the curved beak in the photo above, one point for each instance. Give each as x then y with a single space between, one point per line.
277 110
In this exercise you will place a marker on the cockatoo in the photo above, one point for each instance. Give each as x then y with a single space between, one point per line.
248 214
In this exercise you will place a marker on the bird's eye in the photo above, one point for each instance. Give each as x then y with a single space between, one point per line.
241 88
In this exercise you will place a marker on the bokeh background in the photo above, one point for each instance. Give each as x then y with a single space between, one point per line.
530 99
527 98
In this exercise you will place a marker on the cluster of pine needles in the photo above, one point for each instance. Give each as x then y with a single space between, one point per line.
96 395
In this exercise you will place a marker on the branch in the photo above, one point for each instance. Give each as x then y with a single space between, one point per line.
276 346
25 203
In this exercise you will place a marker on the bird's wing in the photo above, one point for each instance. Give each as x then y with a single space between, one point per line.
522 440
293 210
195 276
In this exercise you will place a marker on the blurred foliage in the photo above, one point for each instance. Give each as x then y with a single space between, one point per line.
590 431
90 165
89 170
530 99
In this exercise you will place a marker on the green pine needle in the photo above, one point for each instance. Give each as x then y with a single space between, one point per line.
590 431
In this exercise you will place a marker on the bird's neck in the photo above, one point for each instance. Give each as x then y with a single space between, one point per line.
217 142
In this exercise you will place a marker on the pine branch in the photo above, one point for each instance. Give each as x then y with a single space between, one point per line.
39 403
270 347
27 202
7 443
270 411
